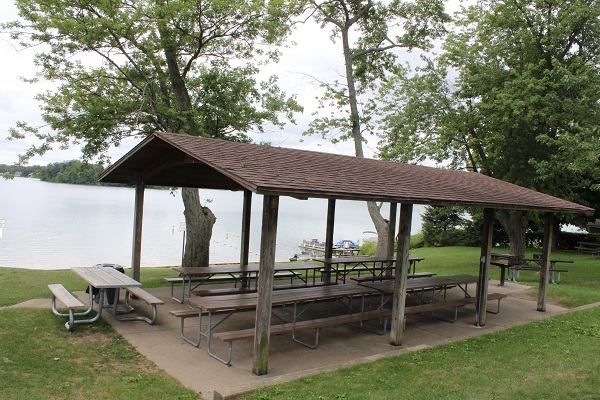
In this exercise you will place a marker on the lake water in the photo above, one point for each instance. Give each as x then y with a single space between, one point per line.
55 226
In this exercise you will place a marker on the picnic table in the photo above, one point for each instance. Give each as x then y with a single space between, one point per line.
342 266
103 279
535 264
418 286
230 304
193 277
514 264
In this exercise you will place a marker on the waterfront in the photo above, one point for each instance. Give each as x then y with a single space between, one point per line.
54 226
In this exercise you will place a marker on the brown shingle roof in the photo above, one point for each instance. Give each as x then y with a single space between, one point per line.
179 160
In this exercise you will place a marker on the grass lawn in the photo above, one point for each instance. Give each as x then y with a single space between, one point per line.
549 359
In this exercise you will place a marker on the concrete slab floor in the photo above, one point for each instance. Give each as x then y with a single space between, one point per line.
338 346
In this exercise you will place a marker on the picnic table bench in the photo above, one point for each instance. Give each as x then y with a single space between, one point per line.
147 298
311 324
456 304
69 301
375 278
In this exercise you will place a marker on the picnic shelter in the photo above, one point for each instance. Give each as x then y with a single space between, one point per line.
167 159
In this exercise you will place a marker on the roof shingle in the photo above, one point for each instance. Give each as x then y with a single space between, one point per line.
180 160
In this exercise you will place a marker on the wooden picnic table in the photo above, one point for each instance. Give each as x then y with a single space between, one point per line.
436 283
103 279
236 272
526 265
342 266
228 305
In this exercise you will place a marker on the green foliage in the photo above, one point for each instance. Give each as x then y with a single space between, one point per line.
76 172
132 68
9 171
368 249
514 95
441 225
417 241
367 32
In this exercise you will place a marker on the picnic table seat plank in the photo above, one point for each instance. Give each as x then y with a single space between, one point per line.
293 327
69 301
375 278
456 304
146 297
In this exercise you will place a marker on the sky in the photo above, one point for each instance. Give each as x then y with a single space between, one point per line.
313 56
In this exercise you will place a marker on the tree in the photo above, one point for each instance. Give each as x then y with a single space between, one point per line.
378 27
129 68
515 95
441 225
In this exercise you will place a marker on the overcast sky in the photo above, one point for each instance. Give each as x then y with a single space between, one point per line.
314 55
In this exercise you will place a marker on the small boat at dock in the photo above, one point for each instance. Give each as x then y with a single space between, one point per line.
343 248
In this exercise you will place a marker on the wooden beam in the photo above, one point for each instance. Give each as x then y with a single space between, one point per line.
545 267
401 273
245 236
329 237
484 266
138 216
265 285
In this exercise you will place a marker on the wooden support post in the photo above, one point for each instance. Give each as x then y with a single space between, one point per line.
329 237
484 267
245 236
401 273
545 266
138 216
265 285
391 234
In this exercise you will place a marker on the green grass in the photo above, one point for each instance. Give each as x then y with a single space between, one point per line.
548 359
39 359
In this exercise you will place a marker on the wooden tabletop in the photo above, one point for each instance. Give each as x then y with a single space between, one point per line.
361 259
423 283
238 269
248 301
105 277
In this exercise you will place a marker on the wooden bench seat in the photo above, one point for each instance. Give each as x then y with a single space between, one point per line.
146 297
514 270
431 307
69 301
370 278
313 324
215 291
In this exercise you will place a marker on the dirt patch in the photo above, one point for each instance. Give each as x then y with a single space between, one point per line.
98 339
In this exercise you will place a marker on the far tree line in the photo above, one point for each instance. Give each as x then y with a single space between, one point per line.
74 171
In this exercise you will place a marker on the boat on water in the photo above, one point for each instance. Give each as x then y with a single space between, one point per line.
315 248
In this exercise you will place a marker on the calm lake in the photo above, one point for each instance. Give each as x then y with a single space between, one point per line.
56 226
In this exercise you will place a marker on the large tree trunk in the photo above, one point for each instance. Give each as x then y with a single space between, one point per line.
515 224
382 227
199 224
380 223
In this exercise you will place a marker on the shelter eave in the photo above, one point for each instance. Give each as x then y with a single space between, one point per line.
305 193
